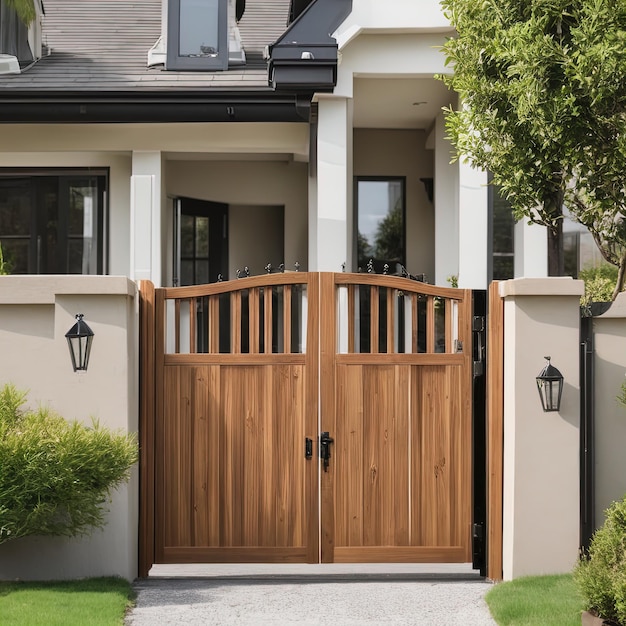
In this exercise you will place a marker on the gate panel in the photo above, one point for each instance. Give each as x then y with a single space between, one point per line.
233 483
395 396
244 369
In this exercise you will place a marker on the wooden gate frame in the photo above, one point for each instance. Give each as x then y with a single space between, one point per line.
495 431
147 387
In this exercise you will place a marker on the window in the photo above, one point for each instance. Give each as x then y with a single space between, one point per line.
502 236
13 34
197 35
53 222
380 219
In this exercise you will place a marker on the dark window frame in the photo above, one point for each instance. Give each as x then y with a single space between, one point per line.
176 61
34 179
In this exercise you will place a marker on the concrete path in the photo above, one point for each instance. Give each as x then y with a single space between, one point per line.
349 595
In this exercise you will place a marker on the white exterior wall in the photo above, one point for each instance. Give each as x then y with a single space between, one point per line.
531 250
473 208
331 217
541 450
35 314
446 205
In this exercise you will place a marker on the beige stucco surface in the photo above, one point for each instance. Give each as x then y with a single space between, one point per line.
609 415
541 450
35 314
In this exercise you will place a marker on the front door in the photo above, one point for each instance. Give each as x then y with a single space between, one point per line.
200 242
240 433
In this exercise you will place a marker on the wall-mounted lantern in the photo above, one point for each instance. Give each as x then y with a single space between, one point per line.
79 339
550 386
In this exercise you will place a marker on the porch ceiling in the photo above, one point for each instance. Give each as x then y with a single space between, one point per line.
399 102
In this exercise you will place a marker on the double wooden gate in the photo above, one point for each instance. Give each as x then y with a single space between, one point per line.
246 384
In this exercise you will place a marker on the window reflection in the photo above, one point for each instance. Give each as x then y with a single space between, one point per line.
198 28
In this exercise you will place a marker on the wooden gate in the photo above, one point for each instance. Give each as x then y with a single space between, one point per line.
240 378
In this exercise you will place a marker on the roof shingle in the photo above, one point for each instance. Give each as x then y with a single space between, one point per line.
102 45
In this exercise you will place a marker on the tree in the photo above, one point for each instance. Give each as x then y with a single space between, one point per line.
25 9
542 90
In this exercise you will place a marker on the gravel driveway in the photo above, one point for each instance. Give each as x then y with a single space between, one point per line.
312 601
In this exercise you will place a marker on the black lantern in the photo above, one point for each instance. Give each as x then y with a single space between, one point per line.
550 386
79 339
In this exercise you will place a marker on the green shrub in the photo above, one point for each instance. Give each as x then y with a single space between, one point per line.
55 476
599 283
601 575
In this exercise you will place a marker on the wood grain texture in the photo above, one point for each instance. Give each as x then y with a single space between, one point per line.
147 388
495 431
230 475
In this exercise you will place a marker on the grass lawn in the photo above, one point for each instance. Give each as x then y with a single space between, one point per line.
90 602
536 601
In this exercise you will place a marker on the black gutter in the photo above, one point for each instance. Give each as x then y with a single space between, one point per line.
140 107
305 57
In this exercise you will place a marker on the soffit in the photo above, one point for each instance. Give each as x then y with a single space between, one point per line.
399 102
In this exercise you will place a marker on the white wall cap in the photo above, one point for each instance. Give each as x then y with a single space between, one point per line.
553 286
19 289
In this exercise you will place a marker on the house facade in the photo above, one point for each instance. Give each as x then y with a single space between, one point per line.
313 123
291 135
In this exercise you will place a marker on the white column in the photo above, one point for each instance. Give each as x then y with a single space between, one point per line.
330 218
531 250
473 227
446 206
145 217
541 450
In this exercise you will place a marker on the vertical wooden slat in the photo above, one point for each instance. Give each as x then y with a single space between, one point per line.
147 424
430 324
200 459
235 330
253 320
311 415
352 295
390 321
374 319
401 472
465 412
267 320
495 431
328 343
215 427
287 319
193 307
214 324
159 490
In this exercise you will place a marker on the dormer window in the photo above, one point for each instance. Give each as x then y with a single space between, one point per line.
20 35
197 35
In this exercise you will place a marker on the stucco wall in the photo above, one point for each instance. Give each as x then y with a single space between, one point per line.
35 314
541 450
609 416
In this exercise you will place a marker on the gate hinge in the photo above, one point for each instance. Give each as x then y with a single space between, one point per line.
478 547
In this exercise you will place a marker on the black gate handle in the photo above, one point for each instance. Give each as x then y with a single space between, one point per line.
325 441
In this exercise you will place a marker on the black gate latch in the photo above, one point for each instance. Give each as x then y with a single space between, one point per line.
325 441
